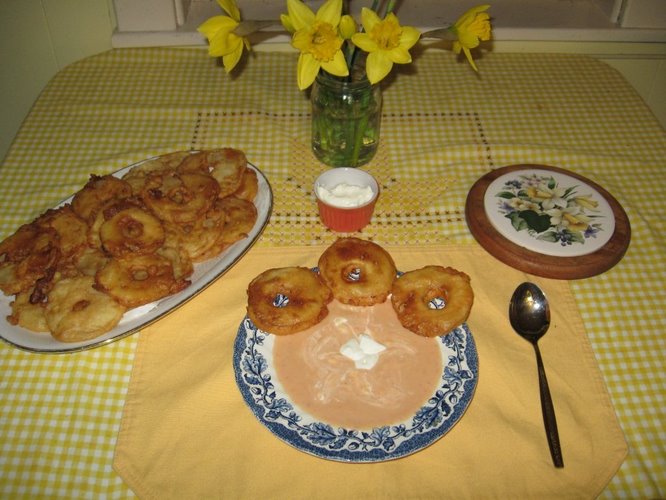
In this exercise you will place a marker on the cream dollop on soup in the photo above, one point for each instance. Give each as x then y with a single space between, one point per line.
319 368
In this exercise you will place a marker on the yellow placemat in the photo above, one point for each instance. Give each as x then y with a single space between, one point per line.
187 433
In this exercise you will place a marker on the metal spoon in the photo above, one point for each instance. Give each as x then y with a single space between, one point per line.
529 314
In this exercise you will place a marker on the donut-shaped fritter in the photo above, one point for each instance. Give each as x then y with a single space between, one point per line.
358 272
139 279
97 192
287 300
199 237
180 197
70 227
131 230
161 165
76 311
226 165
433 300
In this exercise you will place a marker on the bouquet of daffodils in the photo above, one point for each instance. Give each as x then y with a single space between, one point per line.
331 39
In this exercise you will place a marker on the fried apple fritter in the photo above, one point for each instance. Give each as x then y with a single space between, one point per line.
136 280
76 311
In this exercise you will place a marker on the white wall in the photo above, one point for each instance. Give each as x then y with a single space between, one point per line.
40 37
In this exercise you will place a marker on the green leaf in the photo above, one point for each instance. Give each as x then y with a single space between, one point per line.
517 222
577 237
550 236
505 194
569 191
538 223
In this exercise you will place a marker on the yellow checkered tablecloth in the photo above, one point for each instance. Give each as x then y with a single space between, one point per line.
443 127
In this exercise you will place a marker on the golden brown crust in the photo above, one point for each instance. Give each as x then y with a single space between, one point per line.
226 165
28 255
131 230
27 314
70 227
162 165
174 252
358 272
180 198
413 291
249 186
199 237
76 311
139 279
287 300
97 192
240 218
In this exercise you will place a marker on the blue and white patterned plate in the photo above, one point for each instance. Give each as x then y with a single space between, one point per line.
258 383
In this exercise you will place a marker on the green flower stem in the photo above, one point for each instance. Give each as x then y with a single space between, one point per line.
354 53
359 130
246 28
346 119
444 33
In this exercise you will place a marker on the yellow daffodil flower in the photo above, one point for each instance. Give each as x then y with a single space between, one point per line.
316 36
386 43
223 42
286 22
472 27
347 27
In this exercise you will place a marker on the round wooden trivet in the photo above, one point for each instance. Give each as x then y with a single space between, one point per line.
547 266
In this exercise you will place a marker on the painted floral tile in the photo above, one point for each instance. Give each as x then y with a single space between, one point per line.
549 212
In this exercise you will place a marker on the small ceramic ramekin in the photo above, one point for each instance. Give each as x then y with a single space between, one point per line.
346 219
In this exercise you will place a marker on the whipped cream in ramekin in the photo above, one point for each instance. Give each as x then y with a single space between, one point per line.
346 198
345 195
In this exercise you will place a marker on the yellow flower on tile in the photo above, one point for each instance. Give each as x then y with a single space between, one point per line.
472 27
586 202
386 43
317 38
223 42
576 222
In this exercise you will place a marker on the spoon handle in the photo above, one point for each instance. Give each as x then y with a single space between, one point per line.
548 412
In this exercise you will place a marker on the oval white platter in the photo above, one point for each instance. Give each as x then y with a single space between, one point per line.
205 273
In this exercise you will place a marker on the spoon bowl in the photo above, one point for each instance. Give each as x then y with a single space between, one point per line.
529 314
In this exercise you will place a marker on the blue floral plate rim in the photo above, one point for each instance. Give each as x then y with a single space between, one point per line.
274 409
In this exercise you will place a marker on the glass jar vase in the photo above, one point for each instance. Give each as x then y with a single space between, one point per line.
346 118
